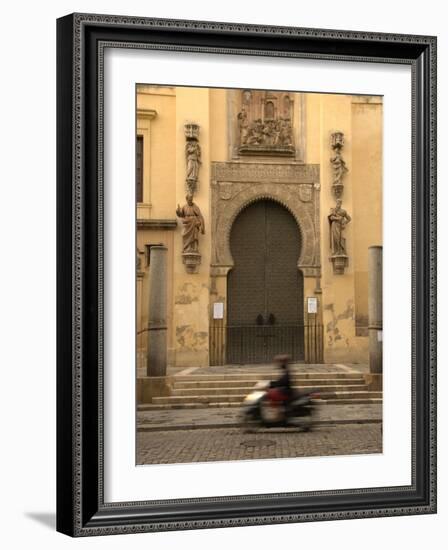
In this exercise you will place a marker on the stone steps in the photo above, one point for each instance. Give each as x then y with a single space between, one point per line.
241 390
235 404
265 376
229 389
245 383
361 401
238 398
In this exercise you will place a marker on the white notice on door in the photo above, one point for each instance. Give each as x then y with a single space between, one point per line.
218 310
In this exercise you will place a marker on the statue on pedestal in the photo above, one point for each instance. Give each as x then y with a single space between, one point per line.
338 164
193 224
192 156
338 219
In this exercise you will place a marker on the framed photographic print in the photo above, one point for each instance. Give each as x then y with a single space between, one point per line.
246 275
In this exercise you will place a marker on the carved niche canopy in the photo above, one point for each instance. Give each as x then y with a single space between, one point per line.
265 122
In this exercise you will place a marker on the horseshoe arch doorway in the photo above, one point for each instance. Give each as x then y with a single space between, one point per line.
265 287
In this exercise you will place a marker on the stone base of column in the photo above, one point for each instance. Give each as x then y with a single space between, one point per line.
375 350
374 382
157 346
154 386
376 309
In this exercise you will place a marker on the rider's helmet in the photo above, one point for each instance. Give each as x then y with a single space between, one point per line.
282 360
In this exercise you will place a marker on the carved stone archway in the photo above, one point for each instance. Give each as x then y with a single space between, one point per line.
235 185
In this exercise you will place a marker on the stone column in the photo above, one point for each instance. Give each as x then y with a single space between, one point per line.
156 358
376 309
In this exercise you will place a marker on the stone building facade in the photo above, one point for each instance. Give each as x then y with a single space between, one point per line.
267 203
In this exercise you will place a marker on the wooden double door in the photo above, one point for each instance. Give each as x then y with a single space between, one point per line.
265 288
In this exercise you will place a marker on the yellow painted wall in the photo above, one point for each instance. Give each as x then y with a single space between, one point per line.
146 236
160 188
367 207
191 291
344 297
338 293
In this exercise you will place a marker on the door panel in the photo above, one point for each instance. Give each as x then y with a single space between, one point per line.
265 288
283 298
248 277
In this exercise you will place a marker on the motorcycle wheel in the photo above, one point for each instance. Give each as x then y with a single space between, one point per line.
306 422
248 421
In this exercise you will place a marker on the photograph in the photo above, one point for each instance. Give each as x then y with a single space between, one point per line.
237 243
246 274
258 275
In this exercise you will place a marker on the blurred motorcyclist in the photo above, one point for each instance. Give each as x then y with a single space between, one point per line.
278 403
284 382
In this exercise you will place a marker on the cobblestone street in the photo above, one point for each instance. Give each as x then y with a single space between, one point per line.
205 445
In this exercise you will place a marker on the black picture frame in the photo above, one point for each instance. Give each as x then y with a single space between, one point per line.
81 510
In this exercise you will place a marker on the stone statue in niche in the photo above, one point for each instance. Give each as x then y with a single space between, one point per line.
338 219
192 156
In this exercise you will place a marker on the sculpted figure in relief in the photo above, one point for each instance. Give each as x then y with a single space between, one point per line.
270 133
285 132
243 124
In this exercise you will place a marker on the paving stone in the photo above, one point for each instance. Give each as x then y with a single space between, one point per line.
202 445
219 415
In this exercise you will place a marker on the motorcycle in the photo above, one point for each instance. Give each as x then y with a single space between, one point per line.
267 406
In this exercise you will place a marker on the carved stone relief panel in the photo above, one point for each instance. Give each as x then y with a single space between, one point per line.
235 186
266 173
266 123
